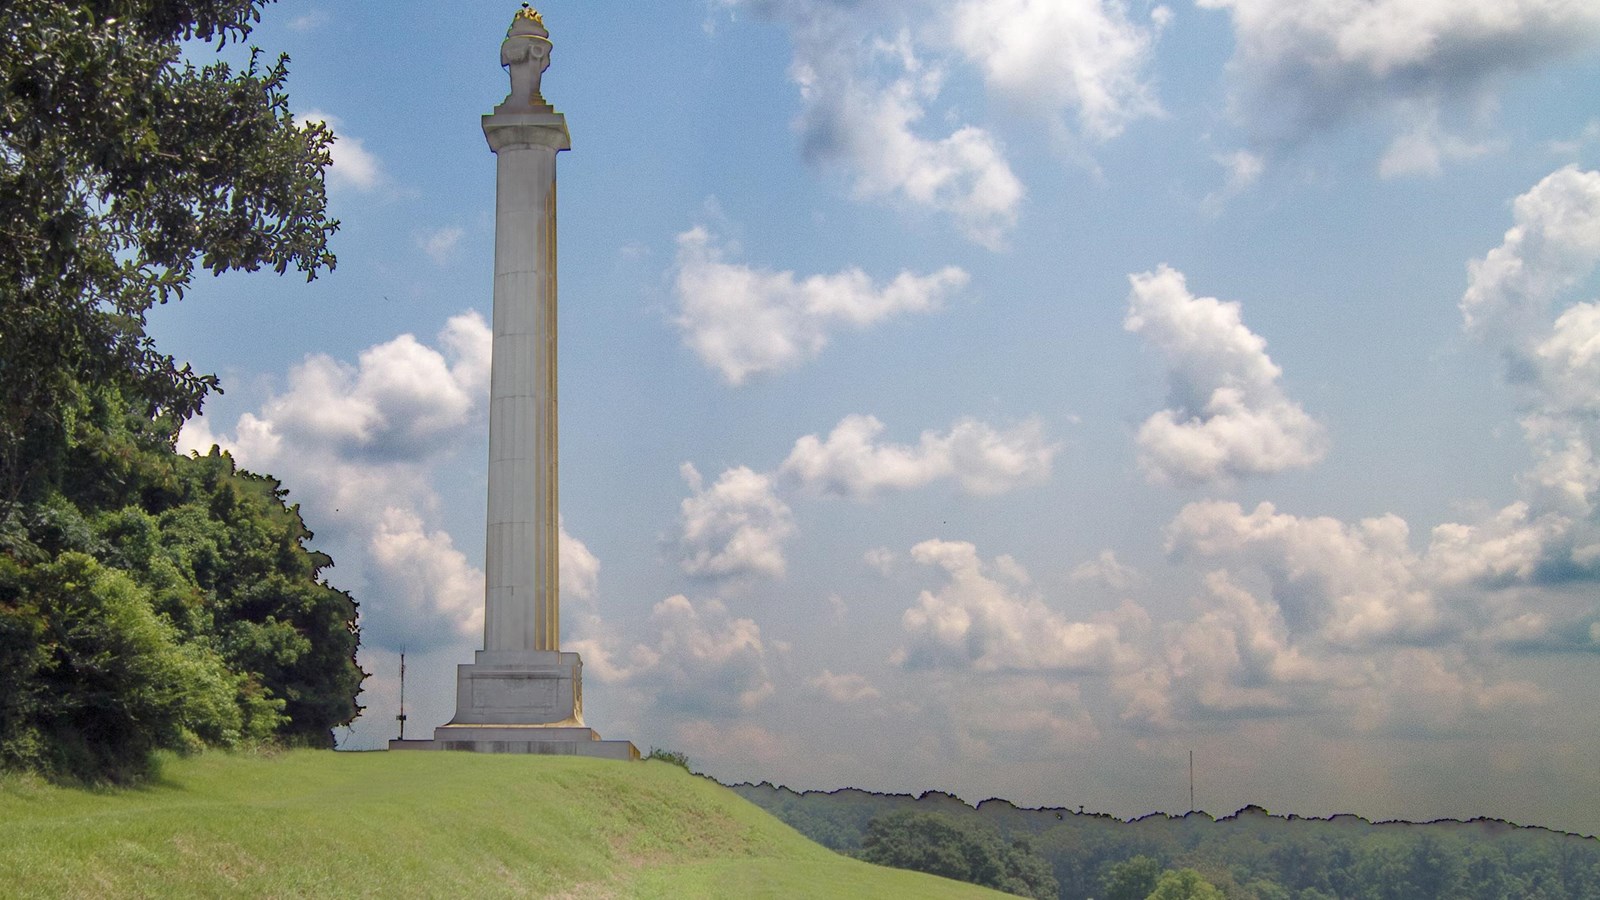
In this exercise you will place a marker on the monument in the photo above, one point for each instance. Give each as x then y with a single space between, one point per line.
521 694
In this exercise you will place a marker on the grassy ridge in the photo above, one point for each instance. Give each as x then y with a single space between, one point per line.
324 824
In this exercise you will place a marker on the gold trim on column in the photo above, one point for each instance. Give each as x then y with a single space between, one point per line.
552 441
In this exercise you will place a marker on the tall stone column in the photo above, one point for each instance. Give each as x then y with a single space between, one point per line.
521 694
522 610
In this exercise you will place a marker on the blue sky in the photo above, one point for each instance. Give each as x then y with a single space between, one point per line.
998 396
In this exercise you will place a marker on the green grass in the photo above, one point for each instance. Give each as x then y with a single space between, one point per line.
324 824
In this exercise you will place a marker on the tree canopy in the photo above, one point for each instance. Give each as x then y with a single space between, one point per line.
966 851
123 168
148 600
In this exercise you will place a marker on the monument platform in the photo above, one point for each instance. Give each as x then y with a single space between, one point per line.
526 739
521 701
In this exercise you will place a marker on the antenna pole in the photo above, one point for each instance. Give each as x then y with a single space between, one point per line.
402 716
1191 781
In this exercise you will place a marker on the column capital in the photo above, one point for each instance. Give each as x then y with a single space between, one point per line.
535 129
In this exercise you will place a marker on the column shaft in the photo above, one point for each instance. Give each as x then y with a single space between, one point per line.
522 548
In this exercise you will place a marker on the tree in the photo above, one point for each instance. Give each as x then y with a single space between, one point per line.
147 600
1131 879
93 680
972 852
122 168
1184 884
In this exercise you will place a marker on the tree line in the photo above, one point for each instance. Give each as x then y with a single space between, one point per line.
1250 855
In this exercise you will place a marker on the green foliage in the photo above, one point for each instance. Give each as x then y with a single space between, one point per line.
94 680
972 852
198 597
122 168
671 757
1187 884
147 600
1131 879
1247 856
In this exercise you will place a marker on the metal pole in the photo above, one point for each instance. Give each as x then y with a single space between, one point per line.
402 716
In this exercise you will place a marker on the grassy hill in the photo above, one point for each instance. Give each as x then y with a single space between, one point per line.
324 824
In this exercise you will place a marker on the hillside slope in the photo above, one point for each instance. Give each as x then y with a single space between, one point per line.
324 824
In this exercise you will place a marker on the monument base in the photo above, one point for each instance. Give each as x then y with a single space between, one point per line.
521 701
560 742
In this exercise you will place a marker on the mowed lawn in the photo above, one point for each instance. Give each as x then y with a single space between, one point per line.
323 824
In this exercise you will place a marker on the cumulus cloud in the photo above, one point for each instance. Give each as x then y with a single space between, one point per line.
1510 304
1552 245
1230 417
426 585
744 321
853 463
1316 64
578 570
358 444
1240 659
735 527
1348 584
1108 570
844 688
699 660
865 88
870 124
1085 57
354 166
989 617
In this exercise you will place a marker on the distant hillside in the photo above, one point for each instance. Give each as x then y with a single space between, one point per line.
324 824
1251 855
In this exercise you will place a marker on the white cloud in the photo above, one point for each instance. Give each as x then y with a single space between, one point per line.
989 617
1315 64
357 445
309 21
700 660
982 460
430 593
1553 244
1084 56
402 398
1509 546
577 568
1231 418
1243 170
1348 585
1236 659
440 243
735 527
708 659
1552 248
744 321
1108 570
1424 148
863 104
881 559
354 166
1239 660
844 688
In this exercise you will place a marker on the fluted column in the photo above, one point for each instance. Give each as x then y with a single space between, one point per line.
522 599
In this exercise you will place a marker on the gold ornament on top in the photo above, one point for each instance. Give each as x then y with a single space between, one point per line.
536 21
